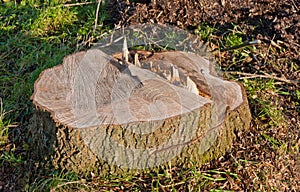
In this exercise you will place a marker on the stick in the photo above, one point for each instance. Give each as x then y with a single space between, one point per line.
68 183
249 75
97 14
77 4
245 44
295 5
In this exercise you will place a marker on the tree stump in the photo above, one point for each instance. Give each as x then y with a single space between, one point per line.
96 113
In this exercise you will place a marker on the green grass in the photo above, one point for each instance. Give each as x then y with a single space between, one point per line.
263 97
10 158
35 36
6 156
204 31
58 182
4 125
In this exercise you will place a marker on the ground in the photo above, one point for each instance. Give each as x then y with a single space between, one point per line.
263 158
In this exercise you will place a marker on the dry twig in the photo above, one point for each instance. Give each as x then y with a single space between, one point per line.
249 76
78 4
97 15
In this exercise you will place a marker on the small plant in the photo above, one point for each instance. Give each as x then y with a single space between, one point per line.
204 31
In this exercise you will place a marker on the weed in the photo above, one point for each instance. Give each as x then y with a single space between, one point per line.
205 31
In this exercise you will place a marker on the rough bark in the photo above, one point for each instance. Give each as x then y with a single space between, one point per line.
97 115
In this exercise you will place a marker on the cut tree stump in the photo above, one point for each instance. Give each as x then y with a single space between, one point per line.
98 113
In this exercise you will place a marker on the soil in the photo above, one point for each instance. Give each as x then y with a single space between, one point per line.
265 19
257 163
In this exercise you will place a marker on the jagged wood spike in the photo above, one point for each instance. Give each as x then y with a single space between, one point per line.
167 75
158 68
151 65
125 52
174 74
136 60
191 86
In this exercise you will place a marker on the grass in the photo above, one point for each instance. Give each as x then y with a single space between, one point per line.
35 36
7 157
4 126
58 182
157 181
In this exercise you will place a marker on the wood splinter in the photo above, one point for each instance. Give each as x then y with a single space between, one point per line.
125 52
175 79
136 60
191 86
